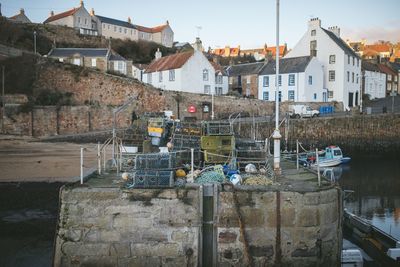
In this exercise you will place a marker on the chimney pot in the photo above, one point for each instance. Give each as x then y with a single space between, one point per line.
129 20
92 12
158 54
51 13
22 11
82 4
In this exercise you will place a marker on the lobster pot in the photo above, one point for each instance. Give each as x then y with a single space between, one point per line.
151 178
155 161
217 156
181 142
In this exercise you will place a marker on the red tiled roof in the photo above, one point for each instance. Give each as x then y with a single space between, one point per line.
61 15
272 50
169 62
386 69
381 48
152 30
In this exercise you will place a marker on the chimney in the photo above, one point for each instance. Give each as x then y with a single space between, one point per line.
129 20
22 11
335 30
158 54
198 45
82 3
167 22
227 51
51 13
314 23
92 12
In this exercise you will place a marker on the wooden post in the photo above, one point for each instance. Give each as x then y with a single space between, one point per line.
297 154
81 165
317 162
98 158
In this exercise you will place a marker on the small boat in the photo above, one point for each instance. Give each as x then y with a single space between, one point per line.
324 163
334 152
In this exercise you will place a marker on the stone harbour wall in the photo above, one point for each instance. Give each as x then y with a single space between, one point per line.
309 223
112 227
163 227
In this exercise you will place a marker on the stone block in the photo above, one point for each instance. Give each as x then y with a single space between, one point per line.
266 200
227 237
140 261
158 249
261 251
328 196
305 252
312 198
228 217
261 236
110 236
288 216
185 236
176 261
253 217
308 217
82 249
155 235
120 249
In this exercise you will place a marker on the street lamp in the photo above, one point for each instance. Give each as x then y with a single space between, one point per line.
34 42
276 135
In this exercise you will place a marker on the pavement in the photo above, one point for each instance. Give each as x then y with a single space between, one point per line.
24 159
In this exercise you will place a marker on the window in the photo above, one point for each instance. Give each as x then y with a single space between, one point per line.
348 76
315 96
248 79
79 20
313 48
218 79
160 76
247 91
357 79
291 79
291 95
77 61
115 28
352 77
265 95
93 62
331 75
104 26
280 80
108 26
265 81
332 59
389 77
205 75
218 90
358 62
207 89
313 32
61 59
348 59
354 59
148 77
85 21
120 29
230 80
125 31
280 96
330 94
310 80
172 75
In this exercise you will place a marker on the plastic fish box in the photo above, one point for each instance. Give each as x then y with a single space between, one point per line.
149 179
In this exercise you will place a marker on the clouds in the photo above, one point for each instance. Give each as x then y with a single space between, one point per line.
389 32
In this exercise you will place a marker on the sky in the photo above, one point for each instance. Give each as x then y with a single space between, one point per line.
249 23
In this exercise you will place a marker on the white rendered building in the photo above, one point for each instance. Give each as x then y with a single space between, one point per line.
300 80
341 65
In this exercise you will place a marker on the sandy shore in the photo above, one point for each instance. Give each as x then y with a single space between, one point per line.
23 159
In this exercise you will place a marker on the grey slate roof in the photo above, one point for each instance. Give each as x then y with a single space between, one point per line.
369 66
347 49
287 65
115 22
395 66
244 69
85 52
116 57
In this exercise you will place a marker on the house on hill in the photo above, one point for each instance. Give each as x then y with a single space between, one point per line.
300 80
103 59
186 72
391 79
374 80
113 28
77 18
161 34
342 66
21 17
243 78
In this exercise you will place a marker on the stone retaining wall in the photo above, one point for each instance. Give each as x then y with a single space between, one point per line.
163 227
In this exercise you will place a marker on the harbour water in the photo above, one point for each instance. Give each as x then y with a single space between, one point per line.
28 211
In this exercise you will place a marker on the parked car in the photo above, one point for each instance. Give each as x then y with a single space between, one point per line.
302 111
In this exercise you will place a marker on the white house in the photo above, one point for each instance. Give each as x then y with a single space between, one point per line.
374 83
342 66
78 18
300 80
138 70
221 79
187 72
114 28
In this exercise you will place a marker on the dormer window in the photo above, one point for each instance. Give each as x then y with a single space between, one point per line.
313 32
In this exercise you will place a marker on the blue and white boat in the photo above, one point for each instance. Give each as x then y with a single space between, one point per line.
334 152
330 157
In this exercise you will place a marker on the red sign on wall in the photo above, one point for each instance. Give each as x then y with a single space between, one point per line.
191 109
